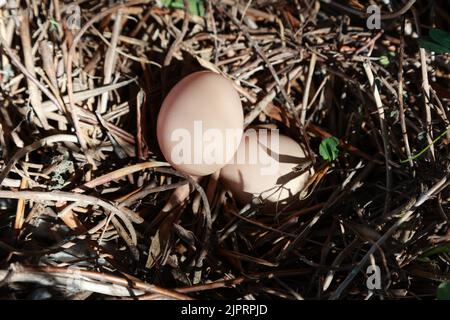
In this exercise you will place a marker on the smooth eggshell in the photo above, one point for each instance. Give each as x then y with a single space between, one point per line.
246 181
202 96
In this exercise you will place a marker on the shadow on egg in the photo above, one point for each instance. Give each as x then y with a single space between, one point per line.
278 190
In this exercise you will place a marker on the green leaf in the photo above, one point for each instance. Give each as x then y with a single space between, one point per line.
195 6
443 291
424 259
437 250
429 44
328 148
53 23
440 36
384 61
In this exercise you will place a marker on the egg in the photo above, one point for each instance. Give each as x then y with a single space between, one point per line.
263 167
200 123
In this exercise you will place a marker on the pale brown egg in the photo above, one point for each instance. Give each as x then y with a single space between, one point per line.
263 167
200 123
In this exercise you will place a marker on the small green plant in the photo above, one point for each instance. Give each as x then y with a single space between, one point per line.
328 148
384 61
53 23
427 147
425 257
437 41
443 291
195 6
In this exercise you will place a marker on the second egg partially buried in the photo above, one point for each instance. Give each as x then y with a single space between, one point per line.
266 166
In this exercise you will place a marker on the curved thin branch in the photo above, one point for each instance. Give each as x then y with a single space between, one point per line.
180 36
34 146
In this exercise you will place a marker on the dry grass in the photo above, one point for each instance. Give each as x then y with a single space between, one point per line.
89 208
